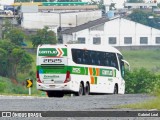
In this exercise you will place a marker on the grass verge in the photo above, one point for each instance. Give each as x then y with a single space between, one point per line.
150 104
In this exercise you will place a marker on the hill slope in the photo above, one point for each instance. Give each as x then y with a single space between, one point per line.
149 59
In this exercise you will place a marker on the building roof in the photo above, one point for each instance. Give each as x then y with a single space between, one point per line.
94 23
86 25
83 7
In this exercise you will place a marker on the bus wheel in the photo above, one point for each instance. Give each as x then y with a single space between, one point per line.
115 89
81 90
87 89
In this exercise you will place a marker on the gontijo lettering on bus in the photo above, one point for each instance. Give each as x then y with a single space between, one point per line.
102 72
52 52
95 72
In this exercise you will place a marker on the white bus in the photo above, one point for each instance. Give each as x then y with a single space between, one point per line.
79 69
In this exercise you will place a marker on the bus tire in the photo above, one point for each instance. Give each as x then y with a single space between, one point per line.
87 89
81 90
115 89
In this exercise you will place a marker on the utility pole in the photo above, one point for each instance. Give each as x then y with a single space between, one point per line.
59 30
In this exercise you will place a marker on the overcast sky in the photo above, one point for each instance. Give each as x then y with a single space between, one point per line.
6 2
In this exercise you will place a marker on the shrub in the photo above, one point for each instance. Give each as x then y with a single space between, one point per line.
141 81
2 87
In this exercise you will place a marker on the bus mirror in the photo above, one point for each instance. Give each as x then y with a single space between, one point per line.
127 63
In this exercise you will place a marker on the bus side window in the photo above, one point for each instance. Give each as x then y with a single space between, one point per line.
74 55
79 61
106 59
97 60
102 58
109 59
90 60
92 56
79 57
113 64
85 57
113 60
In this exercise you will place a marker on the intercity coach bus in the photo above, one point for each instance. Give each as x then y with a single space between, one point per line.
79 69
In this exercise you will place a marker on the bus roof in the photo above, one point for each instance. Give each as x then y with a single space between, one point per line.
83 46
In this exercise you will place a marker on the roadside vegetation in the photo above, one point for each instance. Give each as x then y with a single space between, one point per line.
153 104
144 77
16 63
142 81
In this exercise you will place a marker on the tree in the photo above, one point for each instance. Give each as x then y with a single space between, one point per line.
139 16
3 55
14 59
16 36
6 27
44 36
144 18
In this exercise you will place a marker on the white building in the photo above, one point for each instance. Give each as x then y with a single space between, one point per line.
38 20
115 32
150 1
119 3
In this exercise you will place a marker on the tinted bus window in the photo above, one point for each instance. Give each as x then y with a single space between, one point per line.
98 58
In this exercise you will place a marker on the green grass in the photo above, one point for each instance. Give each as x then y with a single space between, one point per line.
148 59
151 104
7 87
